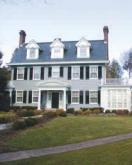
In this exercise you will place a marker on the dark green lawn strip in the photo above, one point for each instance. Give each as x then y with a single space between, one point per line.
71 129
112 154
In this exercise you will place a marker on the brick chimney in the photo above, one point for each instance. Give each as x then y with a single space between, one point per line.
22 38
106 31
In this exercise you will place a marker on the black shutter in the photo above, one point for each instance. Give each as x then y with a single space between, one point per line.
13 96
61 71
31 74
49 72
24 96
81 72
69 97
99 97
81 97
15 74
30 97
87 97
69 73
25 73
87 72
42 73
99 72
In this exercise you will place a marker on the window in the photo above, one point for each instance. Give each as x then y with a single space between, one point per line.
75 97
32 52
93 97
57 52
19 96
76 72
35 96
83 51
93 72
55 72
20 73
117 98
36 73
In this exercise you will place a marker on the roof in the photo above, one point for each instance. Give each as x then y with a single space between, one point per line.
98 52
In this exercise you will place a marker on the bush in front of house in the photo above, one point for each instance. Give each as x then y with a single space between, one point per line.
49 114
22 124
61 112
70 110
28 113
122 112
78 112
7 117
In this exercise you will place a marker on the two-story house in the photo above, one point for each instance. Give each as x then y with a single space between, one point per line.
59 74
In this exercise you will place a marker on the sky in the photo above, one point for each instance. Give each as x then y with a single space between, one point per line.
44 20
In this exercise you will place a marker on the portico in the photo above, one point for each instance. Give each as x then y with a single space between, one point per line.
52 95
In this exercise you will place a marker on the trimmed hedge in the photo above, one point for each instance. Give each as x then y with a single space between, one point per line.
7 117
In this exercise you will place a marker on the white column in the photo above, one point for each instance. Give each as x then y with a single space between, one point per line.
64 100
39 100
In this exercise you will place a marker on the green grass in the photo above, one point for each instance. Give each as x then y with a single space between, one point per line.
110 154
71 129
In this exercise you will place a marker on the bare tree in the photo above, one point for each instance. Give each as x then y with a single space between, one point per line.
127 62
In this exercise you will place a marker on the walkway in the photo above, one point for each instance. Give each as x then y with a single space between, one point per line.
60 149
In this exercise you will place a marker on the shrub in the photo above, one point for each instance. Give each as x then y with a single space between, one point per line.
6 117
70 110
61 112
19 125
78 112
87 112
96 111
122 112
107 111
31 122
25 113
84 109
50 114
113 111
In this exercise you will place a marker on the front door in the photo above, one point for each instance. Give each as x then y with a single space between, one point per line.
55 99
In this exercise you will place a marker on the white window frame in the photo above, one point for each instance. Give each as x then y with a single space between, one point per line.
58 54
34 96
117 99
83 55
75 70
36 53
78 97
93 97
35 69
55 72
19 96
18 73
91 71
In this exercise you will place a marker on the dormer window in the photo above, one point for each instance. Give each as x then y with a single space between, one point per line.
57 49
32 50
83 48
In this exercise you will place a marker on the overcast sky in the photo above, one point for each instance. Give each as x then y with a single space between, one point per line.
44 20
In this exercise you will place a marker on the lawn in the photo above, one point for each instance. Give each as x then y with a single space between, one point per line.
110 154
71 129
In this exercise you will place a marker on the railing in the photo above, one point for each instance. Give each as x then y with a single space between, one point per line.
116 81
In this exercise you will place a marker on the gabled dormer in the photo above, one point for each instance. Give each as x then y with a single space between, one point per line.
32 50
83 48
57 48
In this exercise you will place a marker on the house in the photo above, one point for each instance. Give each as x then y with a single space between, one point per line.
60 74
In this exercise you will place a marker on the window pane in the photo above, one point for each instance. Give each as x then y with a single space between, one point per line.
76 72
32 52
93 72
93 96
19 96
83 51
35 96
36 73
75 96
20 74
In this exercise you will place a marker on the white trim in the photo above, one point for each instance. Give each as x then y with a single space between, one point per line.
97 96
36 67
72 95
59 62
17 73
16 96
73 67
33 96
90 67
